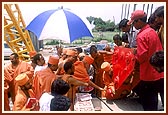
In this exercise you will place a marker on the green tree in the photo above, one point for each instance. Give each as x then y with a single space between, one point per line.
101 25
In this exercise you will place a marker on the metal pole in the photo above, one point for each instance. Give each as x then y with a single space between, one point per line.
143 7
134 7
125 10
147 9
128 11
122 11
151 9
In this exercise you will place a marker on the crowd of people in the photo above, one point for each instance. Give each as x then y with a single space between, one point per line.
54 83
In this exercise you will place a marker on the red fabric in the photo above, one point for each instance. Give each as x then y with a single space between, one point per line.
123 64
147 43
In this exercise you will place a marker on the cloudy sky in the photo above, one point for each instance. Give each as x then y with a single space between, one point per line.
105 10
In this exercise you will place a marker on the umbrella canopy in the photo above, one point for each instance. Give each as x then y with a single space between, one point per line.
61 24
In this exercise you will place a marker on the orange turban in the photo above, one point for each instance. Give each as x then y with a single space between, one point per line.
53 60
71 52
105 66
32 53
88 59
21 79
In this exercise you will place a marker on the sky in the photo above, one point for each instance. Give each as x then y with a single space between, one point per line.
105 10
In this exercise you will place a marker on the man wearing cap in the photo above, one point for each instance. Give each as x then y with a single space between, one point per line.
44 78
23 93
15 68
147 43
130 31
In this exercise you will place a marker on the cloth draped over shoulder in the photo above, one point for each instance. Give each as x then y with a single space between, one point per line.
21 99
80 72
42 81
123 64
23 67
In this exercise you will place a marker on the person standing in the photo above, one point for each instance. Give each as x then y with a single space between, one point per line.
24 92
15 68
98 60
39 60
7 81
32 54
159 18
130 31
147 43
73 83
44 78
58 89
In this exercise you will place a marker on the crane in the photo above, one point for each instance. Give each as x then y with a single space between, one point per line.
15 35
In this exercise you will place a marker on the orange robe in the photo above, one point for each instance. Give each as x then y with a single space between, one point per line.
107 55
80 72
106 78
7 81
98 77
42 81
23 67
21 99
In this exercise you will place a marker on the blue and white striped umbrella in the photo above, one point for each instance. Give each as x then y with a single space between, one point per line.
60 24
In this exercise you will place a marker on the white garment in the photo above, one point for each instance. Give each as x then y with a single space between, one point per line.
45 101
38 68
132 37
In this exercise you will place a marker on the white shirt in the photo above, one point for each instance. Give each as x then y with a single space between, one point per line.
38 68
132 37
45 101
